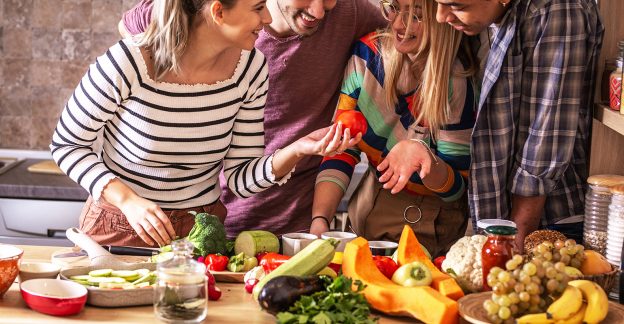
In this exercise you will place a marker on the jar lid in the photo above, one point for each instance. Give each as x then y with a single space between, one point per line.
501 230
605 180
618 190
487 222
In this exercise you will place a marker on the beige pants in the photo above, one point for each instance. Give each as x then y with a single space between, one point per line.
105 223
376 214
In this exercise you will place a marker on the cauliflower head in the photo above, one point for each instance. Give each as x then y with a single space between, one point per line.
464 260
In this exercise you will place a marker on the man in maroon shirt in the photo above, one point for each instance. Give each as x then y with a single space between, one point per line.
307 46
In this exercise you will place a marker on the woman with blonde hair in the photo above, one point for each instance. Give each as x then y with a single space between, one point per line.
413 84
176 105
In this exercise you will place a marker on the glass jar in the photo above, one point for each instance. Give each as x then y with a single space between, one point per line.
482 224
615 86
615 241
497 250
180 295
609 67
597 200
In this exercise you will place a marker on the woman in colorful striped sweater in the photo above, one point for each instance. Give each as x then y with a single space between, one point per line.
413 84
174 108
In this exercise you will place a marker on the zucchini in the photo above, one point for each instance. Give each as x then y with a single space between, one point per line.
95 281
309 261
253 242
101 273
282 292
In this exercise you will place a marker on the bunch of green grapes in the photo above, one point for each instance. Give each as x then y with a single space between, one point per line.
529 286
568 252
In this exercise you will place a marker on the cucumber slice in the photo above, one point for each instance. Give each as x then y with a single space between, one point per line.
161 257
142 272
80 277
124 274
101 273
142 285
95 281
115 285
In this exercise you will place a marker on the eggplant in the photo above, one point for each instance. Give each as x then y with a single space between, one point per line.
282 292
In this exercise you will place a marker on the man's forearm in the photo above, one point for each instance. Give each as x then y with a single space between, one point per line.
526 212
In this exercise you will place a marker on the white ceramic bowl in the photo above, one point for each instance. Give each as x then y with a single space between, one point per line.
53 296
342 237
37 270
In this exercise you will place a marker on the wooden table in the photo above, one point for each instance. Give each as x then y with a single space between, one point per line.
235 305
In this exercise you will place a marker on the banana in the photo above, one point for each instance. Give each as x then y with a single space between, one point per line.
597 301
577 318
539 318
567 305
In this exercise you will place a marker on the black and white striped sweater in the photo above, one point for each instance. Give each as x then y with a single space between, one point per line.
168 142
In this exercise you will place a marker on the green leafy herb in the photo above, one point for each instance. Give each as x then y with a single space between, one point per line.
341 302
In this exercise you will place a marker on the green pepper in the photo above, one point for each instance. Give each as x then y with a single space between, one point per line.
236 263
412 274
250 263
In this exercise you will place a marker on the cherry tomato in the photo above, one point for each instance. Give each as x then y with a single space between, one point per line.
438 262
386 265
354 121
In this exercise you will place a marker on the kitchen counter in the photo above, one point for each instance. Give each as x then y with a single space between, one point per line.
235 305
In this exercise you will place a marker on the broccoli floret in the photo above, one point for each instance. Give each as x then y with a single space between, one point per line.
208 235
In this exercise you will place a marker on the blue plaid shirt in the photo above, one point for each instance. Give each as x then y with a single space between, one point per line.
532 129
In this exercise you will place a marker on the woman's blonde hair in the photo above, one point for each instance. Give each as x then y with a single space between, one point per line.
167 35
431 67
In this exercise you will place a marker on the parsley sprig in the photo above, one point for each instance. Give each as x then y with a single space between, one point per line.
338 303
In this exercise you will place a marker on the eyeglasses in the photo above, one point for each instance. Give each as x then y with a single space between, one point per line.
390 10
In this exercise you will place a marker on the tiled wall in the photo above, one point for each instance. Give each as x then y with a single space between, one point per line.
45 48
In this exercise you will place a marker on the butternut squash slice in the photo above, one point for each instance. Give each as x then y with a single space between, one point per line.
423 303
409 250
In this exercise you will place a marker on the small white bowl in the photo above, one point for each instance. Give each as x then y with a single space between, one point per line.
38 270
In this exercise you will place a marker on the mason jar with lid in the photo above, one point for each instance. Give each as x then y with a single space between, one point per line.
616 232
597 202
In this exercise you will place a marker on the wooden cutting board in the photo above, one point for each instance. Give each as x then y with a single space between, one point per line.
46 167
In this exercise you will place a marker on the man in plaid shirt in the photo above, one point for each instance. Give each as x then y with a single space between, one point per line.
530 141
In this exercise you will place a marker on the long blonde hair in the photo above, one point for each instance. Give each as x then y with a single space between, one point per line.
168 33
431 67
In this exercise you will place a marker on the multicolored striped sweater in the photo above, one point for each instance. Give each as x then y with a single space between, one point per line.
363 90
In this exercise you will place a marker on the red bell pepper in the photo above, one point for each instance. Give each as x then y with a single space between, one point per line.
386 265
271 261
438 262
216 262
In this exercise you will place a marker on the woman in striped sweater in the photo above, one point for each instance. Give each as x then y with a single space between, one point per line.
173 108
412 83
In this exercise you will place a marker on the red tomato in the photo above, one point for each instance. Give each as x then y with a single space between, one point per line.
386 265
216 262
354 121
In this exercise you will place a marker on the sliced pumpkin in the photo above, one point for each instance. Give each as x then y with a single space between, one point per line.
410 250
423 303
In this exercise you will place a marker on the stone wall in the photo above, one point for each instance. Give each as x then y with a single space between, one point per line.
46 47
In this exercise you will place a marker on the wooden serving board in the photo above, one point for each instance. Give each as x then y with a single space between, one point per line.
46 167
471 309
228 276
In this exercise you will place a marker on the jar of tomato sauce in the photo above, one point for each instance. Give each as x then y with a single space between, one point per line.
497 250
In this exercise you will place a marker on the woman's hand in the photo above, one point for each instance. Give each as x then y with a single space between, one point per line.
405 158
327 141
148 220
318 227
